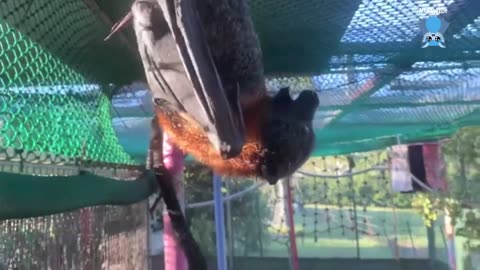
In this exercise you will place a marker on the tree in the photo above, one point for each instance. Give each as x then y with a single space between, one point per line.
462 154
462 158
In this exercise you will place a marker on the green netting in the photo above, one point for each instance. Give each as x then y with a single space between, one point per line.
377 86
53 97
26 194
364 58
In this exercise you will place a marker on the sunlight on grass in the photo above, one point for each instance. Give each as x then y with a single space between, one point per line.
381 226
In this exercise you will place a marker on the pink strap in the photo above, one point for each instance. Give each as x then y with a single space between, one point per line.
172 156
174 257
174 161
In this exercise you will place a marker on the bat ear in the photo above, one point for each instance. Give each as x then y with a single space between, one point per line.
283 95
306 105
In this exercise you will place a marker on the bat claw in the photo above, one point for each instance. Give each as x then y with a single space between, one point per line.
119 25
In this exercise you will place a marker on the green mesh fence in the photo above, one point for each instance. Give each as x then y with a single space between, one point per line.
364 57
377 86
56 81
53 98
91 238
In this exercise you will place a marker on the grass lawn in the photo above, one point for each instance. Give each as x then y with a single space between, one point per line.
376 227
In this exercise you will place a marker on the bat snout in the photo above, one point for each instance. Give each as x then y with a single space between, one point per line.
272 178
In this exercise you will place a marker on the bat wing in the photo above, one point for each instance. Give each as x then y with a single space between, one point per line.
180 70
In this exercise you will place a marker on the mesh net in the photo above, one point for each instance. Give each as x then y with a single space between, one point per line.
336 215
363 57
376 86
91 238
53 98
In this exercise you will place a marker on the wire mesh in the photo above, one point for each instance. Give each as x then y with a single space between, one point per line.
335 216
356 216
52 100
91 238
58 62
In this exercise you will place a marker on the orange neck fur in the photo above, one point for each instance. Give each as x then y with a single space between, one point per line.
191 139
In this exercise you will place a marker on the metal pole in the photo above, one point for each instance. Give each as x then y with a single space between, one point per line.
355 221
219 223
431 245
259 222
230 241
436 177
411 238
450 233
291 225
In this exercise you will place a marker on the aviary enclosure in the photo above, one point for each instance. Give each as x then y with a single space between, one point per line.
392 180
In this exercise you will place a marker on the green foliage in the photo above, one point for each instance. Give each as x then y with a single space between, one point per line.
431 205
462 156
426 207
249 213
471 228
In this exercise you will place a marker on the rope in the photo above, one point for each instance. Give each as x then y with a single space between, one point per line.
421 184
375 168
227 198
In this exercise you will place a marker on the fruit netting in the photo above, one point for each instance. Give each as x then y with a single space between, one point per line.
341 209
57 77
377 86
55 82
376 83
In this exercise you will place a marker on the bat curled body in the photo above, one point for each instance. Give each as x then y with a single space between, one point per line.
203 62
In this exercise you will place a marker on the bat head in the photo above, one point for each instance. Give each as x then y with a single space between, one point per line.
287 135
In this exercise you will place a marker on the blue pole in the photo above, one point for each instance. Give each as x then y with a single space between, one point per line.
219 223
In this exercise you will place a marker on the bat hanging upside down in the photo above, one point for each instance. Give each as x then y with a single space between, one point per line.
203 63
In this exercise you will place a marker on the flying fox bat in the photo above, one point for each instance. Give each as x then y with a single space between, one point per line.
204 65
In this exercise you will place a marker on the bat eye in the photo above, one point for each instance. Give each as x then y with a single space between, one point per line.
437 38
